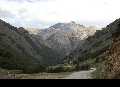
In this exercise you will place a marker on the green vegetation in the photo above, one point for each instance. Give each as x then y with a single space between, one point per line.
99 73
86 65
6 71
10 59
60 68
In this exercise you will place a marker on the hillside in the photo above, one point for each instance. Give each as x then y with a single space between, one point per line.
101 51
19 51
111 69
63 38
93 48
61 47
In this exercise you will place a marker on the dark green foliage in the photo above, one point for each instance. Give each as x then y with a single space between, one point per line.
84 67
2 34
34 69
60 68
99 73
12 61
19 51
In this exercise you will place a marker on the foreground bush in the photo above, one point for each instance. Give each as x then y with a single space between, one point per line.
60 68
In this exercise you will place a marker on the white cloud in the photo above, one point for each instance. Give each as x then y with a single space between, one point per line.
42 13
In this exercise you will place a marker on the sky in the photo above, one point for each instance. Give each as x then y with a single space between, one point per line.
44 13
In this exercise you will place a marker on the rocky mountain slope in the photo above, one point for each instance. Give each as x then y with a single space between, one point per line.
93 47
63 37
101 51
111 69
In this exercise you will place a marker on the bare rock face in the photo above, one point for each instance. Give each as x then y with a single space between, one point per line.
112 63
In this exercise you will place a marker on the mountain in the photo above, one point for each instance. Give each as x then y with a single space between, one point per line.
102 50
63 37
15 51
18 50
34 49
93 49
109 68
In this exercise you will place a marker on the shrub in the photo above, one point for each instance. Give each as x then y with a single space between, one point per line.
34 69
99 73
84 67
60 68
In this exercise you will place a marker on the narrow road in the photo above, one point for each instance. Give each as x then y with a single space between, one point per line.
81 75
74 75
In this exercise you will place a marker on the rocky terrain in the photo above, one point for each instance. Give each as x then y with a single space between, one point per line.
111 69
93 48
63 37
101 51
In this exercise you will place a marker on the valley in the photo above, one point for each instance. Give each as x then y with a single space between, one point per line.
62 75
62 51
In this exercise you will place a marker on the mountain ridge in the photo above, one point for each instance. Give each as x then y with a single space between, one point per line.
18 50
64 37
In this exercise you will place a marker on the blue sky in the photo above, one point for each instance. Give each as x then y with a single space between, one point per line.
43 13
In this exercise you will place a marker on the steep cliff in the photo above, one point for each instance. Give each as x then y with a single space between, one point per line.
112 63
